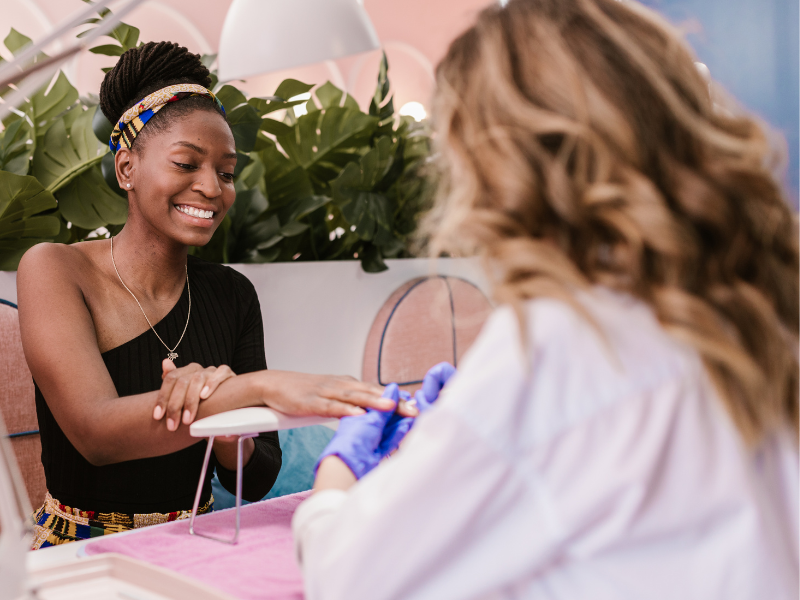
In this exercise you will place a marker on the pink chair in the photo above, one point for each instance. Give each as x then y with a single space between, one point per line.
18 406
424 322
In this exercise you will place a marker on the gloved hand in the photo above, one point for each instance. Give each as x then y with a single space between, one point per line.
358 441
435 379
397 427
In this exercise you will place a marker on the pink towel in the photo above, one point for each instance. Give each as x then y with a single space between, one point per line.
261 566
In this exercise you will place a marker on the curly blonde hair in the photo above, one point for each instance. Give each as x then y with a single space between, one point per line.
578 145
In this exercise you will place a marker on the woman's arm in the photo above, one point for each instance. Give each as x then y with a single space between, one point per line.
60 345
333 474
262 456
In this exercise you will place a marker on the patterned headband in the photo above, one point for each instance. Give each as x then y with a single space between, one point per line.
135 118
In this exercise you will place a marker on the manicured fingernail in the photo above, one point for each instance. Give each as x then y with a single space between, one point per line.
171 425
411 403
355 411
158 412
187 417
204 392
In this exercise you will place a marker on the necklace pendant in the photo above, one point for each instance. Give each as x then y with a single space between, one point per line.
172 356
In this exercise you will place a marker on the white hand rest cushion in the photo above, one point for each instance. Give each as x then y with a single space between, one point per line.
252 420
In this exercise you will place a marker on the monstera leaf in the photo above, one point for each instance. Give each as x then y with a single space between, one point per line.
382 104
242 117
15 149
24 129
257 224
249 226
325 140
22 199
49 101
355 190
66 154
126 35
284 180
329 96
264 106
89 203
68 164
47 104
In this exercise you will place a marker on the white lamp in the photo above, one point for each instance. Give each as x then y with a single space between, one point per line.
260 36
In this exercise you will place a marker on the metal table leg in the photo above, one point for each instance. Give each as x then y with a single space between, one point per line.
239 467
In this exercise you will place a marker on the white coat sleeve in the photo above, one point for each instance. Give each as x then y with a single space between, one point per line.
435 511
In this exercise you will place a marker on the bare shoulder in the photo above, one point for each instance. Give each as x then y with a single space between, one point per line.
56 268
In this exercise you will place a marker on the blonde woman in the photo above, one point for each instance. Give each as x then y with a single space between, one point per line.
625 427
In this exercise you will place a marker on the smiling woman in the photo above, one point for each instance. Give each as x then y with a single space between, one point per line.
130 339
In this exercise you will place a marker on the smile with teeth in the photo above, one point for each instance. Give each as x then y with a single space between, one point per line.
195 212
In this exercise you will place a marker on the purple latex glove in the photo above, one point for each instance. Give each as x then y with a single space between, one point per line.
435 379
397 427
357 442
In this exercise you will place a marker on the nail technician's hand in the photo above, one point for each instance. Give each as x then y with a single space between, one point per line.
395 430
398 426
182 390
435 379
358 441
301 394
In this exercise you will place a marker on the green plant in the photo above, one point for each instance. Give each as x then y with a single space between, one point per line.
22 224
334 183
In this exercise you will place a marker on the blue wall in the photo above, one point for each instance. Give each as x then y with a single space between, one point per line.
751 47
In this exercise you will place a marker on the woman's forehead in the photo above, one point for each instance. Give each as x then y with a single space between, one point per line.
201 131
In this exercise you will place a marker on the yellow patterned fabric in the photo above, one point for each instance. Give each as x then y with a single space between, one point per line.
56 524
136 117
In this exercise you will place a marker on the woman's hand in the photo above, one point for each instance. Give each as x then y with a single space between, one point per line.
301 394
182 390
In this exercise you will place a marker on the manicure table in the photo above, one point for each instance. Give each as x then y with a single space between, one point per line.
258 560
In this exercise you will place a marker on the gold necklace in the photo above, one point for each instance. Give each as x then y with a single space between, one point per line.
172 354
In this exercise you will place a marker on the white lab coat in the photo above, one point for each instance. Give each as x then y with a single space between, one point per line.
611 472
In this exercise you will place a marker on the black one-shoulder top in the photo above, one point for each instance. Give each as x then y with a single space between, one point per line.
225 329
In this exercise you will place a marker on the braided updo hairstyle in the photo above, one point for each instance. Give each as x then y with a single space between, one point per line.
146 69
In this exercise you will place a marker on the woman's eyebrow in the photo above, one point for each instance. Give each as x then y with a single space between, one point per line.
191 146
202 151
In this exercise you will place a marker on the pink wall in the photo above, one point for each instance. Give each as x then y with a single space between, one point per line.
414 33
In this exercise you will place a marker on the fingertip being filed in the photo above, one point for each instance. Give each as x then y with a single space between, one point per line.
407 409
